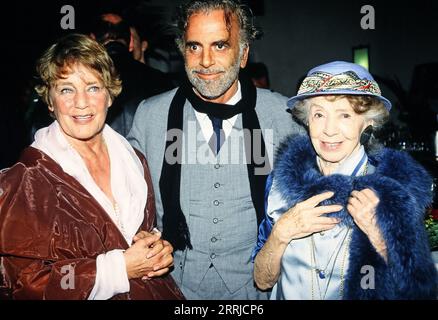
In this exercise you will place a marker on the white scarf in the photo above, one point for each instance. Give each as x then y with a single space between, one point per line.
128 185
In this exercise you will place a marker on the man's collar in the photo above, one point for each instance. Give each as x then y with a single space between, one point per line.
237 96
234 99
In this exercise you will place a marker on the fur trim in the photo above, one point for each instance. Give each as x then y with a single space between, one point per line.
403 187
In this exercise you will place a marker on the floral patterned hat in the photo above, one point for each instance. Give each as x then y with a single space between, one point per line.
338 77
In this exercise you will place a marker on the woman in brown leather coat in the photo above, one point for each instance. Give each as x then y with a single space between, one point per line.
77 211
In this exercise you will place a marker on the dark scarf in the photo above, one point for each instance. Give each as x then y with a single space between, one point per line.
175 228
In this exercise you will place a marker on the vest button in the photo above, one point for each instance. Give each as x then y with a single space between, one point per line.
214 239
213 255
215 220
217 166
216 203
217 185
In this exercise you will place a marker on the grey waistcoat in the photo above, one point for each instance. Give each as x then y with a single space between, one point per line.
220 215
216 200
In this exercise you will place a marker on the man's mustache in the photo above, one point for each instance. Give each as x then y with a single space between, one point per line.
207 71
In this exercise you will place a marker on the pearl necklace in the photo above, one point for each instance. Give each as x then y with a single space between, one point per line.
119 221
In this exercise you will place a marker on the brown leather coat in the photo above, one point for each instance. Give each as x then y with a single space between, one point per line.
48 221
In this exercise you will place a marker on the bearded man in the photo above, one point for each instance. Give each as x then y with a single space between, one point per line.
210 146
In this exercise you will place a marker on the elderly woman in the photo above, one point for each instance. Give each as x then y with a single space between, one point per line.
344 220
77 211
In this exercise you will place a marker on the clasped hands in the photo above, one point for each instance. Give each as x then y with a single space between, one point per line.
149 256
306 218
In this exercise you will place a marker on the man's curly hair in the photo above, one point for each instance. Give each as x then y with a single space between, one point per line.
248 32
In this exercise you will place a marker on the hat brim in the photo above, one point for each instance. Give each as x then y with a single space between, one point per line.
293 100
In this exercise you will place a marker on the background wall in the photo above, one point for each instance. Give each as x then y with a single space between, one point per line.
297 36
301 34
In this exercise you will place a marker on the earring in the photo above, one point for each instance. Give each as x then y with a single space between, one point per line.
366 135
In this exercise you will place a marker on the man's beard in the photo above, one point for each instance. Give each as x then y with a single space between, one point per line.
213 89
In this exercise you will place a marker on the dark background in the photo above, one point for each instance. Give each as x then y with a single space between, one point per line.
297 36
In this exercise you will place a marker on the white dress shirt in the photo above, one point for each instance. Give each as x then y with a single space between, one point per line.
227 125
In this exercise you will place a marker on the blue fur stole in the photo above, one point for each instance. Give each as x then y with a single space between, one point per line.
404 189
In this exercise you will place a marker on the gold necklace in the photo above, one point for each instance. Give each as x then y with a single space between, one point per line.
341 285
320 273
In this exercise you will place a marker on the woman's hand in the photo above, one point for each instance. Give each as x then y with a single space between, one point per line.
362 207
299 221
305 218
163 266
149 256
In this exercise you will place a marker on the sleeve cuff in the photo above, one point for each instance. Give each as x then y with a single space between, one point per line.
111 276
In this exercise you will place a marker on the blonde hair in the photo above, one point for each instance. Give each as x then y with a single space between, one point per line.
72 49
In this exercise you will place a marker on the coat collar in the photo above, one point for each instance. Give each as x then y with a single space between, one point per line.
298 178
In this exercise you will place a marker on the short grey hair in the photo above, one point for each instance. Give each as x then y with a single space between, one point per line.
248 32
368 106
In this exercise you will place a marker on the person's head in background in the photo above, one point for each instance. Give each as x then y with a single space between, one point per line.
111 27
138 44
214 38
258 72
149 28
